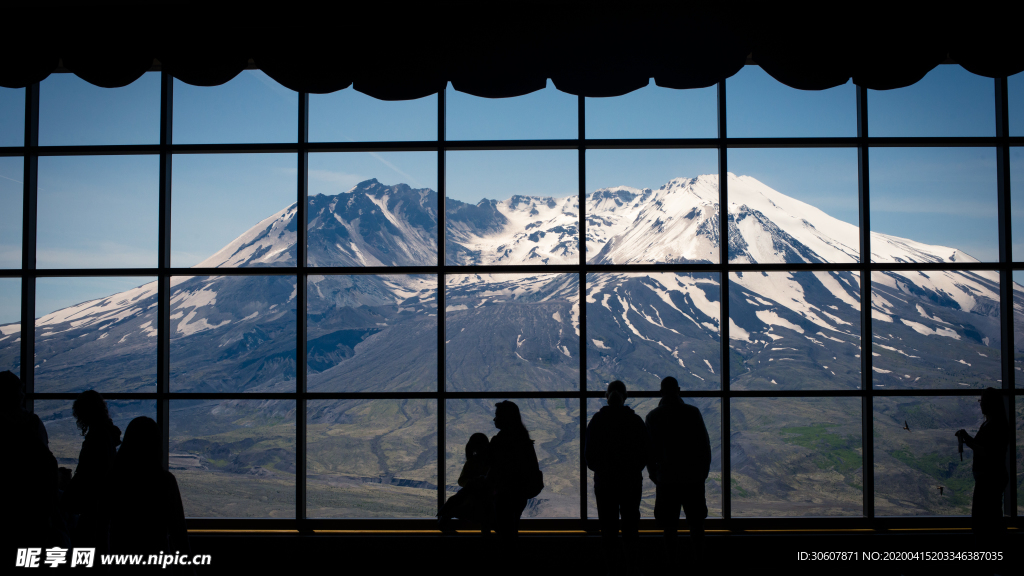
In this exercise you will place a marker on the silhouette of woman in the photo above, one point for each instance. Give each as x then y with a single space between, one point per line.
509 451
146 514
85 494
989 465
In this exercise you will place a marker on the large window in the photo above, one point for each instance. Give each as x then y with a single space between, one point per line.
321 297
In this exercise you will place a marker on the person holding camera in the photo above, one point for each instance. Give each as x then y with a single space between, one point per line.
989 465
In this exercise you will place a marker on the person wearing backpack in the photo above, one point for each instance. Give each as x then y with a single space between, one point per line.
617 451
514 472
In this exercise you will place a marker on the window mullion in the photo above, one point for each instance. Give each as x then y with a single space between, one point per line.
301 203
442 450
723 311
867 404
582 236
163 372
28 238
1006 283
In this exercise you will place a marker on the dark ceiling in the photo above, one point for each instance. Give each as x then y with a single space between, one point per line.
401 50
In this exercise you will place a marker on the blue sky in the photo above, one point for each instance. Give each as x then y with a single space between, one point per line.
12 116
333 173
217 197
759 106
654 112
10 205
97 211
944 196
73 112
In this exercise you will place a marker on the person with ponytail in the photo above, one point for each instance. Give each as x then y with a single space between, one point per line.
86 493
617 451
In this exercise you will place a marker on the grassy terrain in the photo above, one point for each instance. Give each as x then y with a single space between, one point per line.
834 452
379 458
796 457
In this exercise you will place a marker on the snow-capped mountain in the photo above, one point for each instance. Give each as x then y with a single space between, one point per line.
790 330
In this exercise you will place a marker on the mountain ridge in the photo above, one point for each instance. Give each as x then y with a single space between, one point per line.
373 224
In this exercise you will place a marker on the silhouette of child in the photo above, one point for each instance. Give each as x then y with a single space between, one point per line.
471 502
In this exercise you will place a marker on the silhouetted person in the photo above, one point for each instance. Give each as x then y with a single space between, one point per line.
989 465
472 501
13 397
617 451
679 465
512 457
31 486
85 494
146 514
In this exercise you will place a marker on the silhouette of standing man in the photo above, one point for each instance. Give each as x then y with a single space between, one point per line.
679 464
616 451
989 465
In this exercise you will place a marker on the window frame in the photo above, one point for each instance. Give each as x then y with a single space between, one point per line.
862 142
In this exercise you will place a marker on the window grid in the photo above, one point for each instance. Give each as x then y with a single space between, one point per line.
862 142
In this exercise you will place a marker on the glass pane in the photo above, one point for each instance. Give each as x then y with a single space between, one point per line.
760 106
948 101
554 426
933 205
512 332
251 108
1018 328
73 112
371 459
356 220
11 193
65 437
96 333
12 117
234 458
793 206
233 210
233 334
1015 89
512 207
936 329
794 330
655 112
544 114
711 411
796 457
371 333
916 453
1017 202
10 324
350 116
646 326
98 211
652 206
